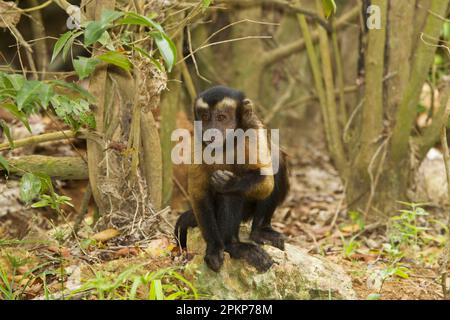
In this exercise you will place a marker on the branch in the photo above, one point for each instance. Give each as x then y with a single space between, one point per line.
335 145
423 59
372 111
285 51
64 168
37 26
28 50
46 137
282 4
431 134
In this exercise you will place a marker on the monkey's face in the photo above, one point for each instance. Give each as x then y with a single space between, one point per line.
219 116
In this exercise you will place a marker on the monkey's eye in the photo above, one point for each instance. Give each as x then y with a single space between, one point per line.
221 117
205 117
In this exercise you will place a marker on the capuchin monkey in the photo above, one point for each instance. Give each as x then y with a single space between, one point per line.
224 195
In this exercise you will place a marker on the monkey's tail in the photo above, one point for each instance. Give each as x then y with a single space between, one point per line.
185 220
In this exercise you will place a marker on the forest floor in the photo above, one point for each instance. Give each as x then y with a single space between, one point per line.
38 260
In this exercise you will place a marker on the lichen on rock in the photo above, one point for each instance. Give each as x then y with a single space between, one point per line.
295 275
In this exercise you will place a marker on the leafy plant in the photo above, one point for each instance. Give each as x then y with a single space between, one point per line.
98 31
34 186
403 228
349 247
164 284
21 97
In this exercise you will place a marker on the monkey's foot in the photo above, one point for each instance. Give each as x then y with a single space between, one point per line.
253 254
214 260
268 236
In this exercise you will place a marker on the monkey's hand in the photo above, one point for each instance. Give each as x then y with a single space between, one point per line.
223 181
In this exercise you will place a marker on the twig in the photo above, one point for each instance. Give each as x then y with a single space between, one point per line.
284 51
34 8
28 50
281 102
84 207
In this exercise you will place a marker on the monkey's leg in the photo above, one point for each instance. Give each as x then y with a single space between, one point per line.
252 253
262 231
229 217
206 216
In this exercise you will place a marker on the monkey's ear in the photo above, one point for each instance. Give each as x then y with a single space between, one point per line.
248 102
247 106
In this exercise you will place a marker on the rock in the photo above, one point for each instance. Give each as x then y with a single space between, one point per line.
295 275
431 180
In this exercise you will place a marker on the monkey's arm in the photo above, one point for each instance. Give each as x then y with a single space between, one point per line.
204 211
252 183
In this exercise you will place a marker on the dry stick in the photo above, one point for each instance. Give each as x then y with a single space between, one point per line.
180 186
34 8
136 129
188 81
281 102
280 3
84 207
28 49
191 53
374 180
287 50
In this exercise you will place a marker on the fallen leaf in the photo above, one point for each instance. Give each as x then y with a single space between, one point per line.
127 251
106 235
63 251
350 228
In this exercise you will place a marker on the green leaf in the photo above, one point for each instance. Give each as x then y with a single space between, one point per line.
374 296
40 204
4 164
12 108
7 132
59 45
106 41
108 16
156 292
74 87
446 31
206 4
116 58
167 49
16 80
401 273
30 187
137 19
34 91
84 66
95 29
93 32
69 43
329 7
